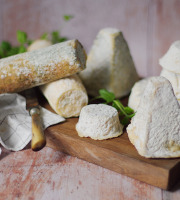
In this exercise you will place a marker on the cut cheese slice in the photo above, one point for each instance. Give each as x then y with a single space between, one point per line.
99 121
171 60
109 65
174 80
155 128
66 96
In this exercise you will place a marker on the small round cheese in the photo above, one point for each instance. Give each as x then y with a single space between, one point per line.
99 121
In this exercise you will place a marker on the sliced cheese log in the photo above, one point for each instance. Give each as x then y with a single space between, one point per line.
136 93
174 80
155 128
109 65
171 60
39 44
99 121
66 96
41 66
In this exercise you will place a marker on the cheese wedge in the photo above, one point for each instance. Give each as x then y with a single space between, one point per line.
99 121
136 93
66 96
174 80
41 66
171 60
155 128
109 65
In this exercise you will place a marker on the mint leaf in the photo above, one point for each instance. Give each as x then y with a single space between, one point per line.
55 37
128 110
125 121
62 39
106 95
67 17
5 46
21 37
44 36
22 49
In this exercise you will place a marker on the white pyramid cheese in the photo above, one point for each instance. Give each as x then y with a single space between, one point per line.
99 121
66 96
174 80
136 93
109 65
155 128
171 60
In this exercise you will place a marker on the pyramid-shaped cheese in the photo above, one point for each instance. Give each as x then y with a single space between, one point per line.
155 128
171 60
174 80
109 65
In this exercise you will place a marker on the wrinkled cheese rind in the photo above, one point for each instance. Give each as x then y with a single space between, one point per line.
66 96
99 121
109 65
155 128
171 60
41 66
174 80
136 93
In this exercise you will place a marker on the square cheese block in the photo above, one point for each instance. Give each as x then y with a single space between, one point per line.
155 128
109 65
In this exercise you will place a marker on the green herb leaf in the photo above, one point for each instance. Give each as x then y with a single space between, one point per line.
5 46
22 49
21 37
125 121
67 17
128 110
106 95
44 36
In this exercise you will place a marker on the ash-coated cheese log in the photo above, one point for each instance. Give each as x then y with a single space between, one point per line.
66 96
38 67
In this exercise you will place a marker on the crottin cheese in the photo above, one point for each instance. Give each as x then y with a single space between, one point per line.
109 65
66 96
155 128
99 121
41 66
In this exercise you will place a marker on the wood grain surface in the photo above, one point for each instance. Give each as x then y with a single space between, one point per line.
116 154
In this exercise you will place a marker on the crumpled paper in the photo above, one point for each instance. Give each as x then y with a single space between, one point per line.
15 122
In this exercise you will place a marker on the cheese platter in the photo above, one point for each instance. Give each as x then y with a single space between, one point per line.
117 154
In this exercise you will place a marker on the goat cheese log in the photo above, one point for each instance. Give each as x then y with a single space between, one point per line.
99 121
155 128
109 65
38 67
66 96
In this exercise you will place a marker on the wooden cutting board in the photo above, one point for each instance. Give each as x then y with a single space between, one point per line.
116 154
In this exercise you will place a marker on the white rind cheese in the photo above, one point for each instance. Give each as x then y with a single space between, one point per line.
174 80
155 128
66 96
39 44
109 65
99 121
136 93
171 60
